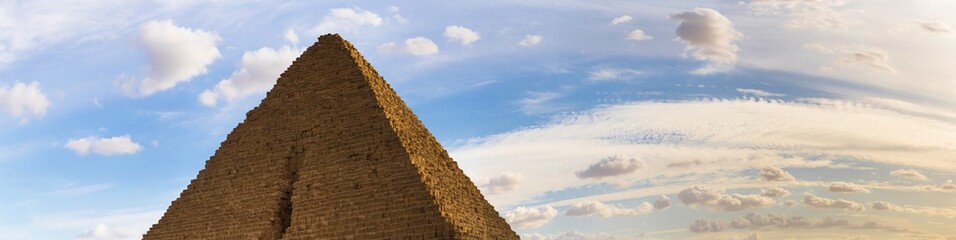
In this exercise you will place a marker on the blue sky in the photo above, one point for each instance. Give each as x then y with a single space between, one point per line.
755 119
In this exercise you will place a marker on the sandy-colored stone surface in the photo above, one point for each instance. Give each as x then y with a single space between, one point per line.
332 152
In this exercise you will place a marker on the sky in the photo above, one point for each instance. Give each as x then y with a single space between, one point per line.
578 120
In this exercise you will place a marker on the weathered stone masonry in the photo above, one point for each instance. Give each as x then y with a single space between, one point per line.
332 152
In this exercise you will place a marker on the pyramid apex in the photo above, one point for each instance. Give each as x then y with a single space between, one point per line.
330 38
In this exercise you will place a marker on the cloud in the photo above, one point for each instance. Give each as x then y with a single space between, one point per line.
530 217
638 35
291 37
774 192
119 145
709 36
845 187
621 20
461 35
530 40
603 210
818 14
538 102
759 93
609 73
722 134
935 27
810 200
949 185
418 46
706 225
176 55
505 182
737 202
662 202
73 191
862 57
702 196
258 72
570 235
881 205
22 99
103 232
775 174
611 166
909 174
346 20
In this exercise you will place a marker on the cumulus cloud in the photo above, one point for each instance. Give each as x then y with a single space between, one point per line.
909 174
949 185
418 46
638 35
176 55
611 166
882 205
702 196
505 182
118 145
707 225
621 20
775 174
530 40
570 235
709 36
774 192
258 72
754 220
594 208
810 200
22 99
662 202
845 187
530 217
461 35
737 202
104 232
291 37
346 20
935 27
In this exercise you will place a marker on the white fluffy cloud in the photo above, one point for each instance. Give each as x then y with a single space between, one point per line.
810 200
611 166
530 217
176 55
909 174
775 174
530 40
935 27
846 187
621 20
882 205
638 35
22 99
774 192
418 46
594 208
662 202
461 35
118 145
703 196
103 232
709 36
257 73
346 20
505 182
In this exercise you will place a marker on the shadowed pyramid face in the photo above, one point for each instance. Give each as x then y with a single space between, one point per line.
331 152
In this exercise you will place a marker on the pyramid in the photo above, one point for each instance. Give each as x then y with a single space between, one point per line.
332 152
